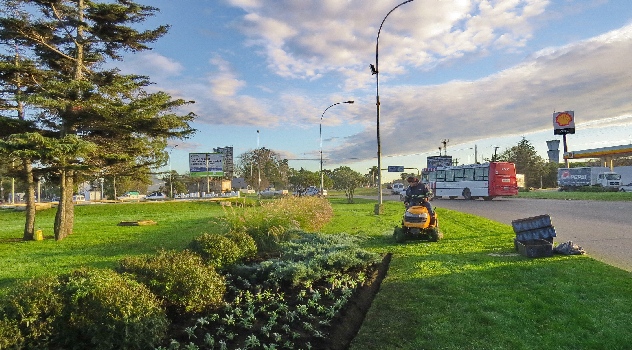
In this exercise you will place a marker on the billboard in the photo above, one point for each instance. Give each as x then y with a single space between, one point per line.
206 164
564 123
229 167
437 161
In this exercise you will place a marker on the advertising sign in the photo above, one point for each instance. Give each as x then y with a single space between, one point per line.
437 161
573 176
206 164
564 123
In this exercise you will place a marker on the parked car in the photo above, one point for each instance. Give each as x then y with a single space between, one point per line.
311 191
271 192
398 188
156 196
131 195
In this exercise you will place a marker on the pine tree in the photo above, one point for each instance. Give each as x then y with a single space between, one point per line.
113 113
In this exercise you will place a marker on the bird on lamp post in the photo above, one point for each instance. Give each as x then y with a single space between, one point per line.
375 71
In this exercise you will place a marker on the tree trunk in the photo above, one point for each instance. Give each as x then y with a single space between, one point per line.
29 225
64 218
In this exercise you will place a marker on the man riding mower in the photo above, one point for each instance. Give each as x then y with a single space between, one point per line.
420 220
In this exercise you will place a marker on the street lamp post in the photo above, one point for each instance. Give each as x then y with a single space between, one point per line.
258 164
321 143
375 71
171 174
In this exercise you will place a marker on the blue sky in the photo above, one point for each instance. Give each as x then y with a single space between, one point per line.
481 74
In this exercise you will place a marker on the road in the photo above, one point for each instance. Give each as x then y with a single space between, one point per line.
603 229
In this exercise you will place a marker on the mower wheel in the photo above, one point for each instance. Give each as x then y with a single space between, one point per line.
434 234
399 234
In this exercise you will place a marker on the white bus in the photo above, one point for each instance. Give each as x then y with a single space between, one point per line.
473 181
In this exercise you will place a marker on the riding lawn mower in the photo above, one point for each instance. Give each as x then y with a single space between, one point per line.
417 223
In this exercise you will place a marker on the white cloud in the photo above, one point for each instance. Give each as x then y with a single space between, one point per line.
152 64
224 83
592 77
308 38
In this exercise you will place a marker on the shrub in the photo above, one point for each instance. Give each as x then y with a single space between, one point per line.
86 309
181 279
217 250
31 311
245 243
106 310
10 336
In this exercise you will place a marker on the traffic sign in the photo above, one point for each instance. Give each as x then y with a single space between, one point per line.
395 168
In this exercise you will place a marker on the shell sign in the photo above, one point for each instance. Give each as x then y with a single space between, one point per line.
564 123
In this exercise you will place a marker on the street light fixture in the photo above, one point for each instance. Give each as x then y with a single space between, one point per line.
321 143
375 71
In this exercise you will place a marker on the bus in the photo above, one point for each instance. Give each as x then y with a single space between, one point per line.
473 181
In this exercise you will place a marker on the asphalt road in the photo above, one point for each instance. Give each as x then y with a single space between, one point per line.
603 229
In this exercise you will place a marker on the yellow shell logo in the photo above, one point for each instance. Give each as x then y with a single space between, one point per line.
563 119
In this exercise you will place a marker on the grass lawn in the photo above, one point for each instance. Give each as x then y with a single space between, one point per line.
472 291
97 241
467 291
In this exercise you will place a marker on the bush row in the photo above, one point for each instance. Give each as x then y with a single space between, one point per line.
129 308
133 306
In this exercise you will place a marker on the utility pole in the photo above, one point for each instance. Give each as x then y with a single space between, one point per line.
445 147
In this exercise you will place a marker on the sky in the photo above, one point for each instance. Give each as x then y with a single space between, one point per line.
481 74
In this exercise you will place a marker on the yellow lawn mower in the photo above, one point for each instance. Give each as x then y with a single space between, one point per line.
417 223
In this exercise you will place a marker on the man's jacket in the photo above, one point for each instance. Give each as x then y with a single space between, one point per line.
416 194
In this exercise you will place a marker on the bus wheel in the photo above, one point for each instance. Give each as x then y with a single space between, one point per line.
467 194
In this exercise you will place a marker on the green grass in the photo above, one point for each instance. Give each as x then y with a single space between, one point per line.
97 241
472 291
467 291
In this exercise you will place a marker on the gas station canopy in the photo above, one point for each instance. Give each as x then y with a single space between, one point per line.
606 154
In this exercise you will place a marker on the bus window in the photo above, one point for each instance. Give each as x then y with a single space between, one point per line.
440 175
468 174
449 175
458 174
481 174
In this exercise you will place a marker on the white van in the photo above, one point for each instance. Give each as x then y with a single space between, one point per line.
398 188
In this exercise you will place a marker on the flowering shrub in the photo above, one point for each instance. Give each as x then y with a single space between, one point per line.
181 279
